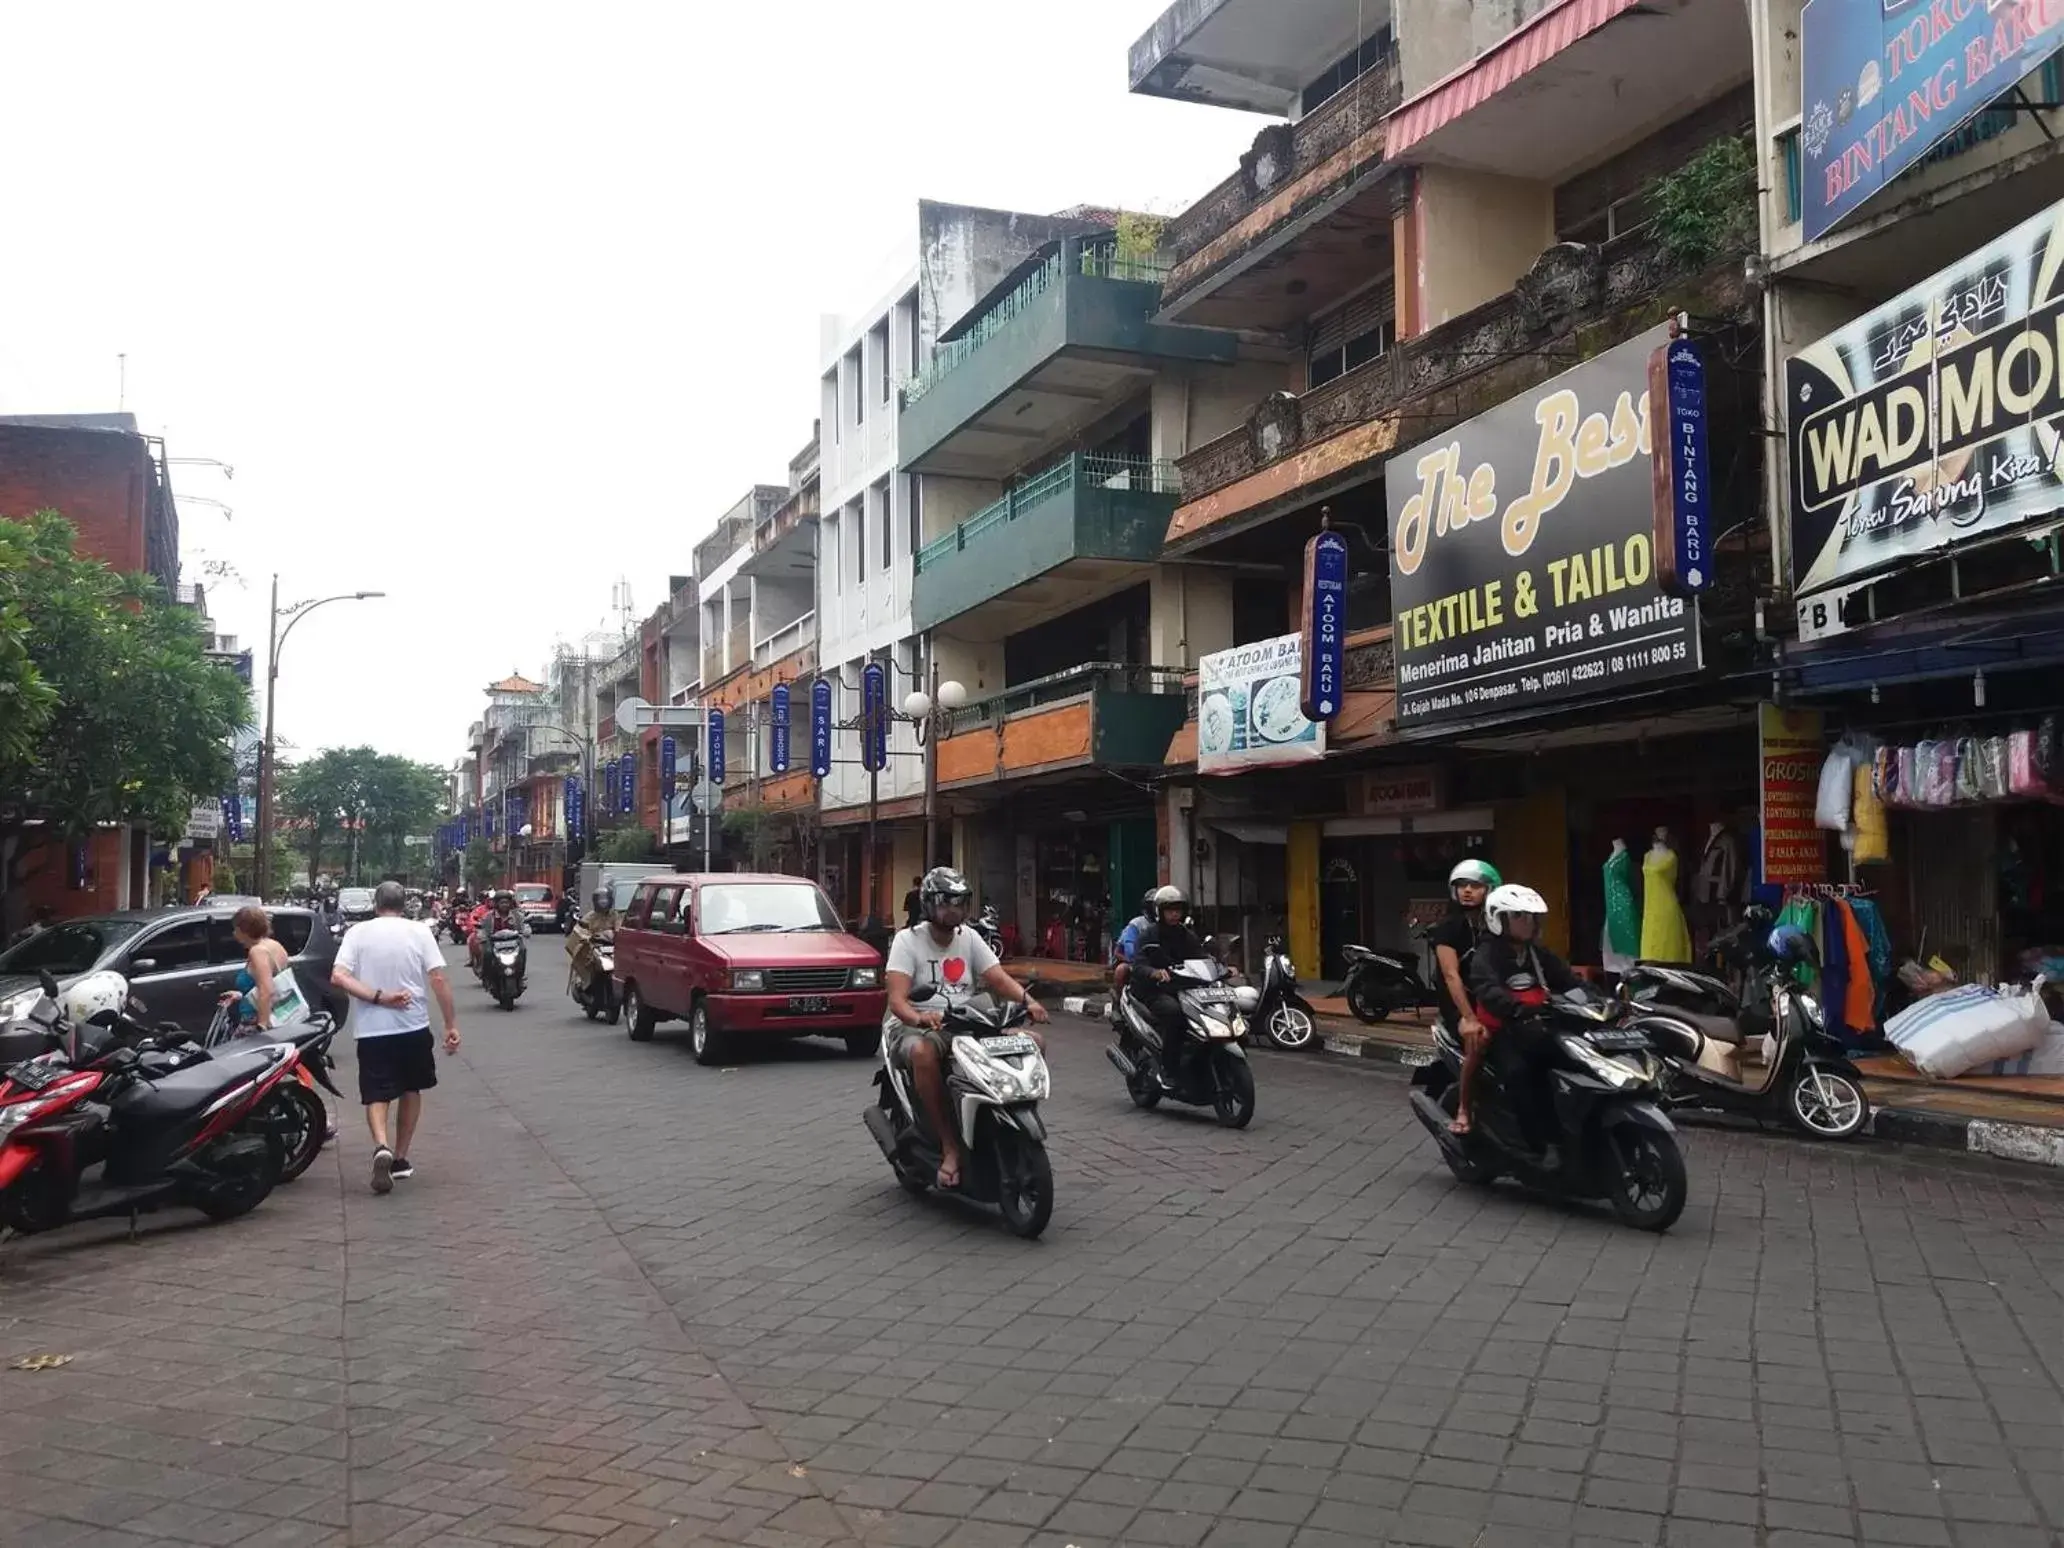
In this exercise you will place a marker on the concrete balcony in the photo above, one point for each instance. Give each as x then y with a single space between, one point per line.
1302 223
1066 338
1574 302
1097 715
1078 531
786 640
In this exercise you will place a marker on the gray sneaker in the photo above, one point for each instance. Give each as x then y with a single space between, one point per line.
383 1170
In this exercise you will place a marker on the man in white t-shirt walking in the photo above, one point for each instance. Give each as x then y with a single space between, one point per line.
392 965
941 954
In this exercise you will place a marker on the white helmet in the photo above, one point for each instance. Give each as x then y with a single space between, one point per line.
92 995
1508 900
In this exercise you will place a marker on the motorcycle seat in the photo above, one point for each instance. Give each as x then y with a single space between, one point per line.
1720 1029
185 1092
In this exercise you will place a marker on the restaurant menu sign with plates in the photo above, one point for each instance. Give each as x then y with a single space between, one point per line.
1249 710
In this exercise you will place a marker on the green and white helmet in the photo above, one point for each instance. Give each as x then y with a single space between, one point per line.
1481 872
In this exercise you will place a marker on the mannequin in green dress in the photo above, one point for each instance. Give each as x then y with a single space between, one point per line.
1622 910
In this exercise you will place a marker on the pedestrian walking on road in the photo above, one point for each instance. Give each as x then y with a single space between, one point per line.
392 964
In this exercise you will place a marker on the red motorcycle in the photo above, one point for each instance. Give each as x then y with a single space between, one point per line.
166 1126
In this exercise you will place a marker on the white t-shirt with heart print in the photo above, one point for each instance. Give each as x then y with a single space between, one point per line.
953 972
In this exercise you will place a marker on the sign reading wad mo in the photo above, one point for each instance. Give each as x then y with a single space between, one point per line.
1524 554
1930 422
1883 82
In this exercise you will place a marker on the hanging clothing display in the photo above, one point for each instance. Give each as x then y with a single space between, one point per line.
1879 950
1870 840
1717 882
1622 912
1665 937
1858 1005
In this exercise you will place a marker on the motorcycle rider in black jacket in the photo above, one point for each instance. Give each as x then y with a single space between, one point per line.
1511 976
1163 946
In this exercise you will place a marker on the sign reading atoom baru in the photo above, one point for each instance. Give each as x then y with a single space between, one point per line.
1522 553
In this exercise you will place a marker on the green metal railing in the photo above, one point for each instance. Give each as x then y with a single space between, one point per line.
1099 258
1059 687
1137 473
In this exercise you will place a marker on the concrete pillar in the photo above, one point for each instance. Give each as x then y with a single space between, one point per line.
1190 614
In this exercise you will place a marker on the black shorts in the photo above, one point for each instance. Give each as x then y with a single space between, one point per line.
392 1066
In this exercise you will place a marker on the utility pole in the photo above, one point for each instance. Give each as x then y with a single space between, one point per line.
263 847
931 763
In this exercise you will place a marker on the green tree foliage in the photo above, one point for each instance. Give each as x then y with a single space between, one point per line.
344 794
483 867
110 709
625 846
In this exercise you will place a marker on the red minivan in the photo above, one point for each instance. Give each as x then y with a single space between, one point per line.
738 955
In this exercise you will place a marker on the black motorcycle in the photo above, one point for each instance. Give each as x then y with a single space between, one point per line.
598 1000
502 963
1284 1015
1205 1064
1612 1140
989 925
1379 984
1799 1072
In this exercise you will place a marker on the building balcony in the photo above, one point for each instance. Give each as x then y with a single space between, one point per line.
1099 715
1062 341
1075 532
786 640
1255 55
1302 223
1574 302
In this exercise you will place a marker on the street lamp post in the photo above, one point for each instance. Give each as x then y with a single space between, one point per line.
928 714
276 638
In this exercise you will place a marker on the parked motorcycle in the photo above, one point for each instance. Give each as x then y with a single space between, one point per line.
995 1083
599 999
1801 1073
1207 1067
305 1125
1613 1139
989 925
1284 1014
1381 983
165 1128
502 967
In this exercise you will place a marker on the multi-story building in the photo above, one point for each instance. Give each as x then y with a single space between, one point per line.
1454 207
874 516
1912 231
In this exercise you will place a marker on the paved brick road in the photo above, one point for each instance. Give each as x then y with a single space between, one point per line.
633 1301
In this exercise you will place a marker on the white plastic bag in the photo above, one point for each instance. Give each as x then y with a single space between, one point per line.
2046 1058
1950 1034
1837 775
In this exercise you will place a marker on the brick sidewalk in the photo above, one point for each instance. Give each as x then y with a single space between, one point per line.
633 1301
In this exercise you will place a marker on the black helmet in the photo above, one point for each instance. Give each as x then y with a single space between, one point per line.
943 886
1146 902
605 898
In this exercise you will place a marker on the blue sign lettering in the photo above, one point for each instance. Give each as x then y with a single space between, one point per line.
874 716
777 739
1691 485
1886 83
716 747
667 754
1325 626
628 764
820 728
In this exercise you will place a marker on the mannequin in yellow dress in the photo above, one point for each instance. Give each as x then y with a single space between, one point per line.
1664 935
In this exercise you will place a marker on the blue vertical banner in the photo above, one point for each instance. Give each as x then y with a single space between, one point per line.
668 753
628 763
1325 626
1683 475
612 787
716 747
874 716
576 804
820 728
233 817
777 730
78 867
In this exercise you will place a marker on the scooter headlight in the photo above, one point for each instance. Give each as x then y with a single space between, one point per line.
1816 1018
14 1113
1612 1071
1005 1081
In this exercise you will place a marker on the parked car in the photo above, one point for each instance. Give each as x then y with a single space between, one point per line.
355 905
177 960
536 903
740 956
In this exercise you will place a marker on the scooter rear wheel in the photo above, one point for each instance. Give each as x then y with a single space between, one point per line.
304 1122
1142 1087
1467 1170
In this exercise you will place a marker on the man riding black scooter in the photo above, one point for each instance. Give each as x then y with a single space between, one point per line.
1166 944
1511 977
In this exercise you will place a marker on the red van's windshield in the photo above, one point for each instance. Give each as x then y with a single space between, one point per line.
732 908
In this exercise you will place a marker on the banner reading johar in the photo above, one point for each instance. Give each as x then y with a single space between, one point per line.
1930 421
1522 552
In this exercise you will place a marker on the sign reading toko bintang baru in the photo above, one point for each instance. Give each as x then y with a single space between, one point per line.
1886 81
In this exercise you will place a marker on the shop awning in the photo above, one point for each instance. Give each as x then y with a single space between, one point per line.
1945 646
1277 833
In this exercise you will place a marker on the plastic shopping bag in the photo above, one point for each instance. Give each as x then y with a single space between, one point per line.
1837 775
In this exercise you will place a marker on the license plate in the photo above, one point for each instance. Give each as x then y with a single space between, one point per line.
32 1077
1009 1043
809 1004
1619 1042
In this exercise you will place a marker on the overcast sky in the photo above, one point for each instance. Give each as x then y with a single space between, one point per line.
490 305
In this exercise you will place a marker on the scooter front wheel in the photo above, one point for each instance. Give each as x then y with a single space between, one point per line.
1291 1027
1825 1103
1233 1098
1026 1190
1363 1001
1646 1177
